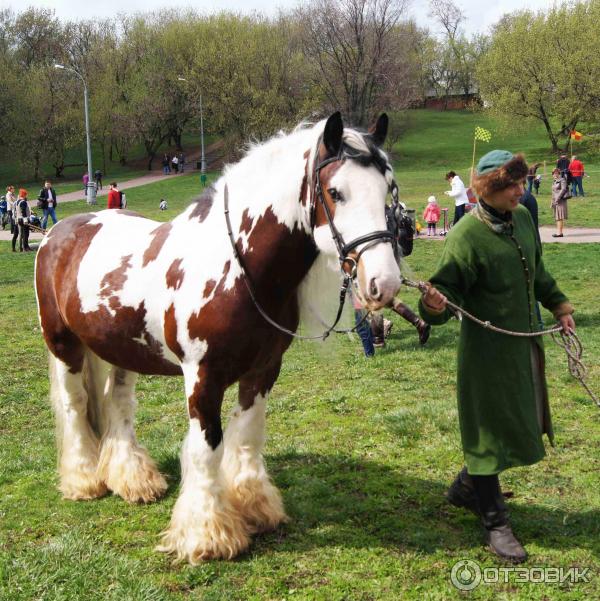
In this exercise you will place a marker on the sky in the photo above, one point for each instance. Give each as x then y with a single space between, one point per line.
481 14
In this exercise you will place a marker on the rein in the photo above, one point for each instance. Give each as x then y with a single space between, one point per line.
569 341
344 249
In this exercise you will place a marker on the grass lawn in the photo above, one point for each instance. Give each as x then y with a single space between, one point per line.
436 142
362 451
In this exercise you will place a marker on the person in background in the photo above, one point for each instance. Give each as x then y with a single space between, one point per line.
181 162
114 197
3 211
86 179
10 203
362 327
491 266
537 180
98 179
47 202
562 164
163 204
22 212
531 173
175 163
560 195
166 164
431 215
459 193
577 171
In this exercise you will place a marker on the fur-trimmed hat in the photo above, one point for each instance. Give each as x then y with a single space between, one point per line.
497 170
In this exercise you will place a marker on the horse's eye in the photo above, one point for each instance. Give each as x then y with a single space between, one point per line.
335 195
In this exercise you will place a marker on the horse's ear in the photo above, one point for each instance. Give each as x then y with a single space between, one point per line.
379 130
334 130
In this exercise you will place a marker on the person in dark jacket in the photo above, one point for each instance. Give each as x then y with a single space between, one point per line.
47 202
22 212
562 164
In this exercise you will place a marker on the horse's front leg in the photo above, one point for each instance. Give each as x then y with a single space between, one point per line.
204 524
250 486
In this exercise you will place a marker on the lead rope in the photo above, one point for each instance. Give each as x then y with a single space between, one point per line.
568 341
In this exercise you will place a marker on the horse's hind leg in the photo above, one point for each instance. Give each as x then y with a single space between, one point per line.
77 442
250 487
204 524
124 465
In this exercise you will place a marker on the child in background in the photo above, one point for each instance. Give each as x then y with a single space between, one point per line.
431 215
163 204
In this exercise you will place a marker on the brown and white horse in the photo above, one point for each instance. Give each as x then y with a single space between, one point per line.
120 295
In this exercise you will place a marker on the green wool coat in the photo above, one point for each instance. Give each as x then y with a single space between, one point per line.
498 277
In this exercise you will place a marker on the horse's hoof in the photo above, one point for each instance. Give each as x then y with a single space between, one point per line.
82 487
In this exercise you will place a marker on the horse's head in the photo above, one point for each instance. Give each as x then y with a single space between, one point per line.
352 179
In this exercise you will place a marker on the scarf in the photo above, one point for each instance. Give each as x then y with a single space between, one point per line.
501 223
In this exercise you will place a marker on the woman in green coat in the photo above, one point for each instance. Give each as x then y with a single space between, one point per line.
492 266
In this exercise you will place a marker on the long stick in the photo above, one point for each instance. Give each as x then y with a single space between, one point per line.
473 161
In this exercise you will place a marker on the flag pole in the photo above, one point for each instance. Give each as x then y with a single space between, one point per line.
473 160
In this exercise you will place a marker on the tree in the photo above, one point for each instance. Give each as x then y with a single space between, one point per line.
545 67
357 49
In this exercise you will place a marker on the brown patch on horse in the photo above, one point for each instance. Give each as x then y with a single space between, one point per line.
174 275
161 233
114 280
275 280
56 261
246 224
327 174
171 332
204 404
203 205
210 286
303 196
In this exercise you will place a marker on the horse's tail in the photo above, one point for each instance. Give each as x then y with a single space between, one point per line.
95 374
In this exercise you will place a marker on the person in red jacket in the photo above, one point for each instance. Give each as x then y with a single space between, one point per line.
114 197
576 170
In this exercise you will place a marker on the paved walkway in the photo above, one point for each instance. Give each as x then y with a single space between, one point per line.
80 195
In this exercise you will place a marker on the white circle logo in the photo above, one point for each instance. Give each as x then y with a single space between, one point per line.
465 575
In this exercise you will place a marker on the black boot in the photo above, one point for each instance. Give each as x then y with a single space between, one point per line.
494 516
462 492
424 330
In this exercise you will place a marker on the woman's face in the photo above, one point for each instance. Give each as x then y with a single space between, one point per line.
506 199
555 174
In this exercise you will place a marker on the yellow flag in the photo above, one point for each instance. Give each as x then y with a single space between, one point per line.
482 134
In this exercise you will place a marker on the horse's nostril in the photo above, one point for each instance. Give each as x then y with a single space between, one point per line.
374 290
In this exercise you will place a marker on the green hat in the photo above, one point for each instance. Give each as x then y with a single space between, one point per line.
493 160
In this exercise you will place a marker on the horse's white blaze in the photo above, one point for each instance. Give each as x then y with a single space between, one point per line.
250 488
204 524
362 211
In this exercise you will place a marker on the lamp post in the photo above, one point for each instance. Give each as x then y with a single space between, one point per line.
202 157
91 186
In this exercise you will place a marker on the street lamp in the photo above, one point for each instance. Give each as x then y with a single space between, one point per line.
202 157
90 187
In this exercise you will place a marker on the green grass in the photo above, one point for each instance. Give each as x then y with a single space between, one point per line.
439 141
362 451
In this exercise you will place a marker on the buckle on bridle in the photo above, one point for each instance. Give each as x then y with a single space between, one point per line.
353 266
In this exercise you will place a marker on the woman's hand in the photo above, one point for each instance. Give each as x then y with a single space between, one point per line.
434 301
568 323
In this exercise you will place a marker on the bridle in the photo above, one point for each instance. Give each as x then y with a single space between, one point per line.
343 249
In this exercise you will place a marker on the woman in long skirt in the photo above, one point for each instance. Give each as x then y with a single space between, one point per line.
560 193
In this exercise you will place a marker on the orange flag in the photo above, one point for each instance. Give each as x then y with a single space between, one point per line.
576 135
